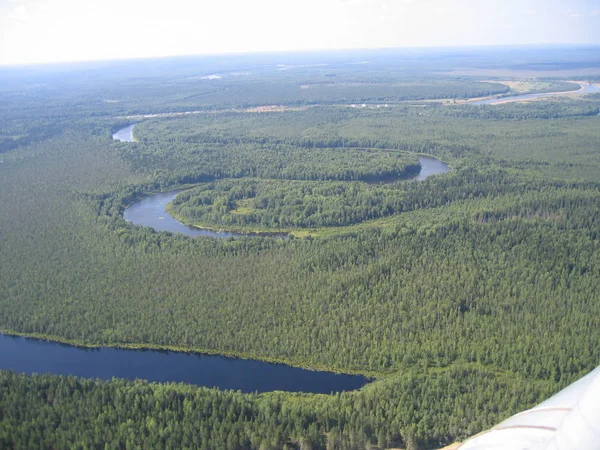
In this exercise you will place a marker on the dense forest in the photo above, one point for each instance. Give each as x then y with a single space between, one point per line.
44 412
469 296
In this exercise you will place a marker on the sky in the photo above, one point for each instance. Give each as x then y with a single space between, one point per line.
41 31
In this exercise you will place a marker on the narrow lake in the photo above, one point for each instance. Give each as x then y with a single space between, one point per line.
29 356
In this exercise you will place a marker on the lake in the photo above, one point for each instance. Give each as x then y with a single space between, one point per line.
29 356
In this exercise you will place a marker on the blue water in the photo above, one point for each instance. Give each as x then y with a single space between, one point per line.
29 356
150 211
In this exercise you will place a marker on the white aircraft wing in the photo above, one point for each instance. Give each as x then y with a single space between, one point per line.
570 420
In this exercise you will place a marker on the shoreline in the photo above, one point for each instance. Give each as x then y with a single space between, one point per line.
533 96
129 138
373 376
283 233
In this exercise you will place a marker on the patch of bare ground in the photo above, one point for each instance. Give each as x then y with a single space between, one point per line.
526 74
454 446
255 109
525 86
273 108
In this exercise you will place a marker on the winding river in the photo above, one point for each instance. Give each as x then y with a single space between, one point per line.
150 211
585 89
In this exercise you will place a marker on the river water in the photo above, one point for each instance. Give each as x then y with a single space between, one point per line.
125 134
429 167
150 212
586 89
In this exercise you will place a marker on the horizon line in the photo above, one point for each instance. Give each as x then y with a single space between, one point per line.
294 51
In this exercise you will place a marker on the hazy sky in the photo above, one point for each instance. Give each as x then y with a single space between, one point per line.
67 30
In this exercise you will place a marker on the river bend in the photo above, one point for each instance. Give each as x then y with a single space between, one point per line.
151 211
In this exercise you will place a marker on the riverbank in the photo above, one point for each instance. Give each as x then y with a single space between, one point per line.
242 231
584 88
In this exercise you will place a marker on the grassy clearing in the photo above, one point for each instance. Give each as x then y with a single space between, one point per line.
242 210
